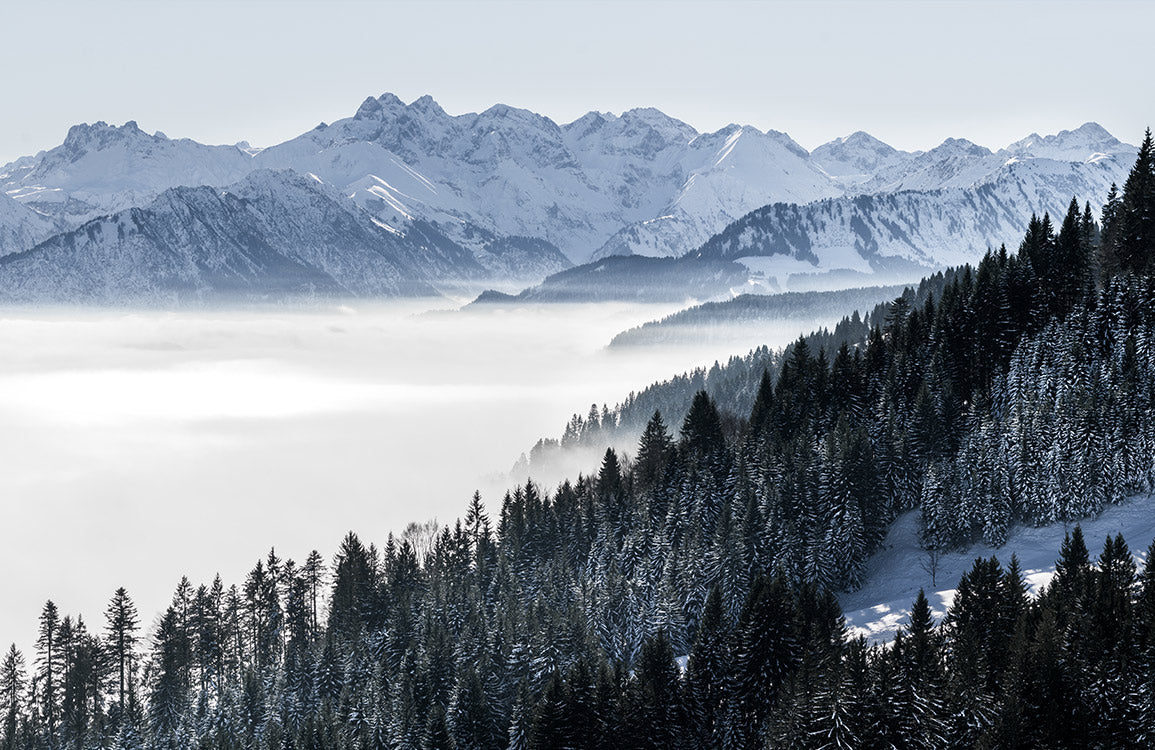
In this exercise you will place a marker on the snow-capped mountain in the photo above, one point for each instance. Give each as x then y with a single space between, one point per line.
1087 143
915 213
637 157
894 235
505 171
729 173
526 196
1035 172
639 183
868 166
956 162
273 234
101 168
856 158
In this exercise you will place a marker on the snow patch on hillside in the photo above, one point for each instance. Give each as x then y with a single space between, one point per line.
900 568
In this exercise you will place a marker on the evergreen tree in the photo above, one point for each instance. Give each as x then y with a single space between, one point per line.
702 428
314 573
1110 221
120 634
12 684
352 588
169 697
1135 243
765 654
653 453
654 715
48 665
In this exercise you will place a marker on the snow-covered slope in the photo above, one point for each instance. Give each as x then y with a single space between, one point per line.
102 168
747 169
905 231
895 573
21 227
956 162
730 173
273 234
637 158
856 158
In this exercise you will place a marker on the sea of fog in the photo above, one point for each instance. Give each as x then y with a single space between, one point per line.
141 446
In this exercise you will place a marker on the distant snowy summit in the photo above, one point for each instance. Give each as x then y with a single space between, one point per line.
521 197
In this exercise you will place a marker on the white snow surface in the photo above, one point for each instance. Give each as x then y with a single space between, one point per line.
899 569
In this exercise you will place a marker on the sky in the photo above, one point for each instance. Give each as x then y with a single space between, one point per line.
910 73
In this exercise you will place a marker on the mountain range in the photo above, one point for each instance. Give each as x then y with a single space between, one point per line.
419 201
192 244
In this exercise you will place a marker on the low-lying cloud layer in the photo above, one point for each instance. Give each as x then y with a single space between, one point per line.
139 447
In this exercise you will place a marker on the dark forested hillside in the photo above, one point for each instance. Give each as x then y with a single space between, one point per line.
703 322
633 278
1020 391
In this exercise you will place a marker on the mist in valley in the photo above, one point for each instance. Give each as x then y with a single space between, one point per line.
135 441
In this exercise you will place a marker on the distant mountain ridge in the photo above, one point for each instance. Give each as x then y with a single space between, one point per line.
877 234
528 197
102 168
274 235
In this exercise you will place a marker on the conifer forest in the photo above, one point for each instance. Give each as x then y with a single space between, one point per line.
683 596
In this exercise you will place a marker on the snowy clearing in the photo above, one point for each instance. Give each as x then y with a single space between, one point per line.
895 573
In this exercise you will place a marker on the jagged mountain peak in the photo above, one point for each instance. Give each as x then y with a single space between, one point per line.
658 120
267 180
649 114
855 158
732 128
588 124
97 135
730 136
375 109
858 140
1084 143
959 147
1091 129
368 109
859 137
641 121
101 168
725 135
506 116
788 142
428 106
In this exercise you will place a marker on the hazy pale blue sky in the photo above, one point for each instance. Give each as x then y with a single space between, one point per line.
911 73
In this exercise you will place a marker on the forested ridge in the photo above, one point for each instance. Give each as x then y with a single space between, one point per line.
1018 391
704 320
